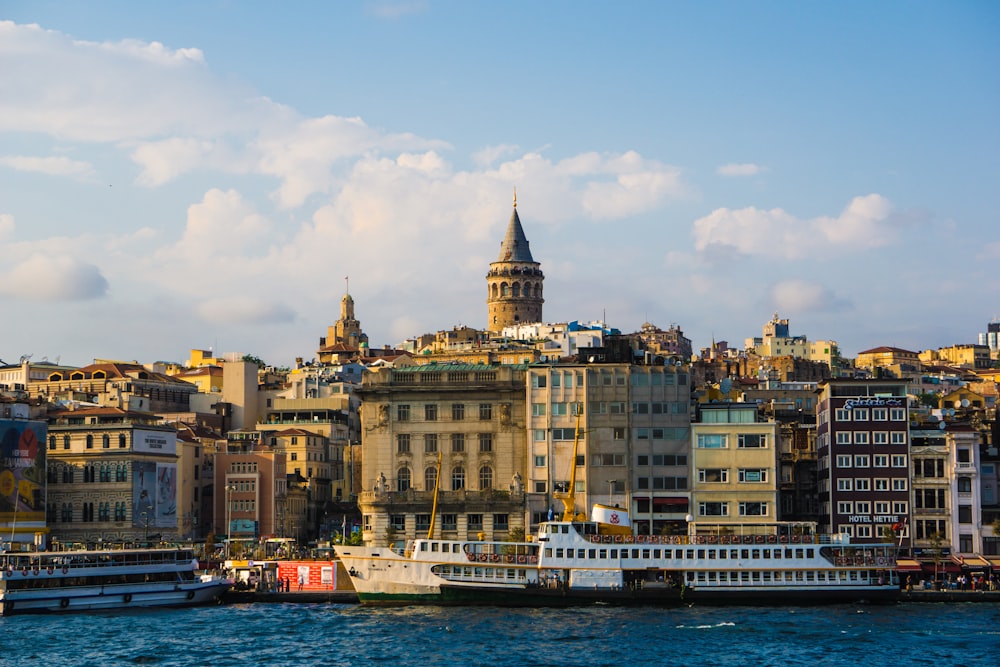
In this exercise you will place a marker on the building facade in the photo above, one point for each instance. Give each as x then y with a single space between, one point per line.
468 421
734 463
863 450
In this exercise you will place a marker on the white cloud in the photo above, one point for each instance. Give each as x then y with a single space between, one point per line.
800 296
987 252
867 222
223 224
734 169
162 161
244 310
6 225
487 156
53 166
111 91
53 278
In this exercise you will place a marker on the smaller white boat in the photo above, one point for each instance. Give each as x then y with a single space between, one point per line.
105 579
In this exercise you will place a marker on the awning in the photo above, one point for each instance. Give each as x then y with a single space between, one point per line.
660 502
975 564
994 563
943 566
906 565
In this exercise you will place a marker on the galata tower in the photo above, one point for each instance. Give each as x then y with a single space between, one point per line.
514 283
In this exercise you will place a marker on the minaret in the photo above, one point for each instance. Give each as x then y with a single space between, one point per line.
514 283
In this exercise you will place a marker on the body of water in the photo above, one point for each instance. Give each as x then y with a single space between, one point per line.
945 635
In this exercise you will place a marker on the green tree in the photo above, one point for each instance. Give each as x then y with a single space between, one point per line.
254 360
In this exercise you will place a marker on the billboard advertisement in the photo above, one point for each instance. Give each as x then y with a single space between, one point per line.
22 470
154 442
154 494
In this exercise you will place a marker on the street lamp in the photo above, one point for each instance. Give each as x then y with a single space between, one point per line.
229 521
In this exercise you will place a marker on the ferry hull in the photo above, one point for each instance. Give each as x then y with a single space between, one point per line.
106 599
547 597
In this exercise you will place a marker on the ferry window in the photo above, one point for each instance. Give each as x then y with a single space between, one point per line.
690 554
756 553
711 555
756 577
745 553
645 553
582 553
809 553
810 576
798 576
559 553
614 554
635 553
656 553
723 554
434 546
798 553
767 554
745 576
602 554
701 553
548 552
734 554
767 576
788 553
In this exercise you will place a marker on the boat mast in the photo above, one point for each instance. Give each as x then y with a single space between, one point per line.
568 498
434 507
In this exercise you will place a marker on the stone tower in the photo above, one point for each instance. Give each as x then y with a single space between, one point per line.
347 330
514 283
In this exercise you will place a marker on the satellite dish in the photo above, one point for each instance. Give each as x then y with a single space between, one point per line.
942 426
958 404
964 402
726 385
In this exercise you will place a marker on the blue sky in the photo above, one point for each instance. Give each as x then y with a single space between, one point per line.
205 174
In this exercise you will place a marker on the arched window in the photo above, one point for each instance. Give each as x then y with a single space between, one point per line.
106 441
457 478
485 478
403 480
516 287
121 441
504 289
430 475
494 290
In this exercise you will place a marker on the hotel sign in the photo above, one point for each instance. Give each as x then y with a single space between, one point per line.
871 402
878 518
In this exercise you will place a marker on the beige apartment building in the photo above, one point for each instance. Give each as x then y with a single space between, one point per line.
735 466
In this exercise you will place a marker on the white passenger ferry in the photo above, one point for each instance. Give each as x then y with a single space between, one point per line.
573 562
90 580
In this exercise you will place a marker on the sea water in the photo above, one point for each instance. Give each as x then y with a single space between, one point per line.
335 634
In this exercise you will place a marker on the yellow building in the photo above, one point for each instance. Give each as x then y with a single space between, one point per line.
734 464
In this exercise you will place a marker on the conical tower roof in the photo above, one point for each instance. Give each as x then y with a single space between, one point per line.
514 247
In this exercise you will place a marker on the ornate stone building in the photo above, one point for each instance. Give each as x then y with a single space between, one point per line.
472 419
514 282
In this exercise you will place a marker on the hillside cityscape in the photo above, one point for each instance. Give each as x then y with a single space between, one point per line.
351 440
